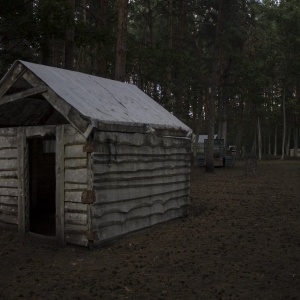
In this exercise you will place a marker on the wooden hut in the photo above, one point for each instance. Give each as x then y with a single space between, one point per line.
84 159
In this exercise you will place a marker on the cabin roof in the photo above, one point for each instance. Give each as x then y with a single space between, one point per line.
93 100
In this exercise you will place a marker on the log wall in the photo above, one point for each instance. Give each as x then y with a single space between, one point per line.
8 176
75 183
139 180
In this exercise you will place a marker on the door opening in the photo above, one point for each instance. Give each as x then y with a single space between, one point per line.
42 184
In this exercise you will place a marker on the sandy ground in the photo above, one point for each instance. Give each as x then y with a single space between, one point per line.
241 241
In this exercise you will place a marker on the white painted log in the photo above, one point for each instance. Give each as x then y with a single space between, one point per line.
9 200
76 175
8 164
75 151
76 163
8 153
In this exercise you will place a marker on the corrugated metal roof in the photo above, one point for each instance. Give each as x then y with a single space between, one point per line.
106 101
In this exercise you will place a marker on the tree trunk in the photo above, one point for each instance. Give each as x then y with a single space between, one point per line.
121 41
102 24
275 141
284 125
296 140
288 142
213 94
259 139
69 38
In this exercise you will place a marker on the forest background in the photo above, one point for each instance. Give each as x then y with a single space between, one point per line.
240 58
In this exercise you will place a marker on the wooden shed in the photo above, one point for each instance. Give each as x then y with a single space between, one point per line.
84 159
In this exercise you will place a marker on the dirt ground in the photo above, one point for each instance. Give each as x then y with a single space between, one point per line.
241 241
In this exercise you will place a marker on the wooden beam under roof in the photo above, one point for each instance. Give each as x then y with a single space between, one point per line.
20 95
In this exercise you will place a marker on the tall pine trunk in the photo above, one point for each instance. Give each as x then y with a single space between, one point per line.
121 41
213 94
69 38
284 124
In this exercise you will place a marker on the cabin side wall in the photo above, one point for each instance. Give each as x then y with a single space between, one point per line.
8 176
139 180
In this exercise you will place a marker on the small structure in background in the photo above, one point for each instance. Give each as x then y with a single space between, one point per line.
84 159
221 157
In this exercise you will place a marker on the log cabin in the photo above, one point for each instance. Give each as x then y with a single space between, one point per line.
85 160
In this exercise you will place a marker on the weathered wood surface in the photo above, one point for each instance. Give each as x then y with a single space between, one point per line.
75 182
139 180
8 176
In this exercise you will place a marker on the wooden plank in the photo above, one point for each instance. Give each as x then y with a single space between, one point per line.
8 174
75 229
8 164
75 186
21 193
141 174
26 93
75 207
10 219
75 151
76 175
76 218
141 183
128 194
9 200
60 199
127 207
73 196
9 182
139 166
8 153
76 163
10 77
138 139
138 213
9 209
12 131
8 142
10 192
113 230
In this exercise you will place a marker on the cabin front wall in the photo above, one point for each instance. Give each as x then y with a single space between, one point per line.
8 177
72 180
139 180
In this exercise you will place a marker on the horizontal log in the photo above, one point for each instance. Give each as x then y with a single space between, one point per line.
12 131
23 94
141 183
8 153
128 194
143 166
8 142
121 150
9 174
74 207
139 139
76 163
10 219
140 175
76 218
121 214
73 196
40 130
8 164
75 186
8 209
112 230
76 175
9 182
143 213
75 151
9 200
13 192
125 206
79 229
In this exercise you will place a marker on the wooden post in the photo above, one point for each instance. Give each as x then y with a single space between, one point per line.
60 192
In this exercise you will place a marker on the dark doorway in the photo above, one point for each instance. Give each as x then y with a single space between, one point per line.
42 185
